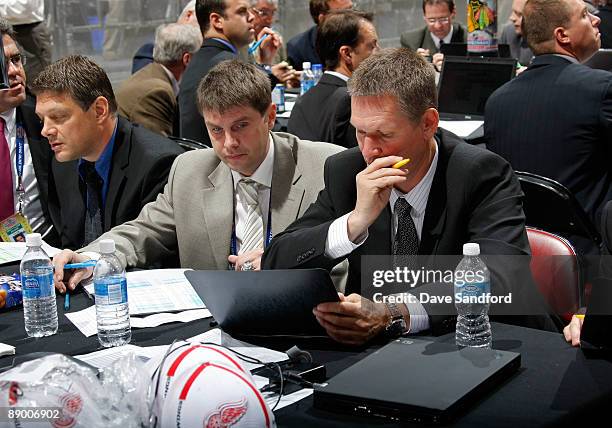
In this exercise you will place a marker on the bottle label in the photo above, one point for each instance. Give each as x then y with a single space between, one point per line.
113 293
37 286
472 289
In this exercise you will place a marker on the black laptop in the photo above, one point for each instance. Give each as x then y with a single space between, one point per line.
417 381
265 303
467 82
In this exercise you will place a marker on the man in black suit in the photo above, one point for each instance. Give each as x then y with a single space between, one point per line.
17 111
105 168
227 26
438 16
450 193
302 48
344 40
555 119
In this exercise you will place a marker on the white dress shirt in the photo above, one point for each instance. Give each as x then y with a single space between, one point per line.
338 243
446 39
173 81
32 208
263 176
338 75
18 12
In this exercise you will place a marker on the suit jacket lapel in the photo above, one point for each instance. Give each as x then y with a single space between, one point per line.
287 189
120 163
435 213
217 202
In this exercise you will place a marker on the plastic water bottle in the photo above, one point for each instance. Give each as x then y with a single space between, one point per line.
317 71
39 305
472 291
308 79
110 287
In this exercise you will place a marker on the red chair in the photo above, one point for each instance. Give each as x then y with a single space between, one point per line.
558 278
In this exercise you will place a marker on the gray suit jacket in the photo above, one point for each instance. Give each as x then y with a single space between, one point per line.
193 216
421 38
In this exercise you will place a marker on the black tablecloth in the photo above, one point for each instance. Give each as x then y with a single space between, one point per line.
555 383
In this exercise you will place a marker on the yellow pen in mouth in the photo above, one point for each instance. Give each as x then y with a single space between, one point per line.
400 163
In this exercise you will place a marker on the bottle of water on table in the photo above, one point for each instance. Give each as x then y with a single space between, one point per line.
110 287
308 78
472 291
39 305
317 72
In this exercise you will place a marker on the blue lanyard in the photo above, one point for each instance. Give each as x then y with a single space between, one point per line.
19 162
234 241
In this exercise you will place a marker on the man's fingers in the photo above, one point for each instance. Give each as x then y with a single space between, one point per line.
381 163
232 259
574 328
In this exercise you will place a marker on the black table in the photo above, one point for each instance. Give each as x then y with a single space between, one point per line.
555 384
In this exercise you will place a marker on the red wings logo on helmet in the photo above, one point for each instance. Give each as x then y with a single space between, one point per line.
226 415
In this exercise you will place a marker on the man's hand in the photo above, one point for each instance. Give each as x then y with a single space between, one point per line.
572 330
71 277
424 53
354 320
437 60
374 186
253 256
285 73
268 48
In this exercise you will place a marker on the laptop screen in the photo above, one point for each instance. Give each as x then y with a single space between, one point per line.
466 84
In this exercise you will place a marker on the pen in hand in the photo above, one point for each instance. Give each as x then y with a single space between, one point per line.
67 301
258 43
82 265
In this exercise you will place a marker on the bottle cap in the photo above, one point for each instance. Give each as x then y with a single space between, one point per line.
107 246
471 249
33 240
306 65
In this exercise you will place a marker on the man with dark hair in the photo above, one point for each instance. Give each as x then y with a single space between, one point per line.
555 119
344 40
105 168
227 26
302 48
439 29
32 169
221 206
450 193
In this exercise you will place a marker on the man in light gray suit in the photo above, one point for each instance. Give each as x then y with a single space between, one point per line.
221 206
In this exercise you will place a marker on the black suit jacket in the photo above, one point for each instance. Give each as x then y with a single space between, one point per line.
302 48
210 54
140 166
42 156
475 197
555 120
324 114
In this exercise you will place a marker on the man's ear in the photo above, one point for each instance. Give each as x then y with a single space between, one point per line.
216 22
561 36
271 116
345 53
186 58
429 122
101 108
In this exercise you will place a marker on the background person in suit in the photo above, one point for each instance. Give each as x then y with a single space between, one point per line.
512 35
438 16
555 119
302 48
105 168
193 217
149 96
344 40
453 193
17 107
227 26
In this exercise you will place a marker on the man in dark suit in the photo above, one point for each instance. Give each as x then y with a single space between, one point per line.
438 16
227 26
17 110
302 48
344 40
105 168
555 119
450 193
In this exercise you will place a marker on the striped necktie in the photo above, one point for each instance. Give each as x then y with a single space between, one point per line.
253 230
7 206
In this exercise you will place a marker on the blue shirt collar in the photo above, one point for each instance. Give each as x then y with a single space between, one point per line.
103 165
226 43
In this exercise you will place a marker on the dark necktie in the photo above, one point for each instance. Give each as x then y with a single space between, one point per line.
93 216
440 47
7 207
406 240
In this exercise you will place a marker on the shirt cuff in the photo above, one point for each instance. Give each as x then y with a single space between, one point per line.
338 243
419 320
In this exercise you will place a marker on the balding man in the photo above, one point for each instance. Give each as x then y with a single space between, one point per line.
555 119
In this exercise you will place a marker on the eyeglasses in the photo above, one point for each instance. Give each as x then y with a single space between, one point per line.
16 60
264 13
432 21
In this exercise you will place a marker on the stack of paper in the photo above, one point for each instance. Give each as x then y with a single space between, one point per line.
14 251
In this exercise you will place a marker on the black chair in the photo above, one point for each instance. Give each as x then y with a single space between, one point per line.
549 205
188 144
